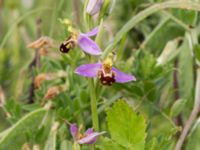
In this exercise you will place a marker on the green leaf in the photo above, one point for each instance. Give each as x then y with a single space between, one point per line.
177 107
126 127
186 75
51 142
152 144
19 130
187 16
150 90
108 144
197 52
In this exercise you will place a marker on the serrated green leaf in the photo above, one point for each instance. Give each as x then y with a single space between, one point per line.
19 130
108 144
126 127
177 107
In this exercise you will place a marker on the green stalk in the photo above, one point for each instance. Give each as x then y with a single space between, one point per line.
93 101
145 13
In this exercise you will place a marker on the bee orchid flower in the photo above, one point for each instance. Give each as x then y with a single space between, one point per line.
106 73
88 137
84 41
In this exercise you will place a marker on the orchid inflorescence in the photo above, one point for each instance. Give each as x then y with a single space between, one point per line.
105 70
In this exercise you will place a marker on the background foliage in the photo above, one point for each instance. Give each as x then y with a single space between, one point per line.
160 51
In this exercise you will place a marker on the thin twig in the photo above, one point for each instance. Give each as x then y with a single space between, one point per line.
178 120
193 114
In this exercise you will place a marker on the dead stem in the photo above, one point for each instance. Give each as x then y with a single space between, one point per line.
35 63
193 114
178 120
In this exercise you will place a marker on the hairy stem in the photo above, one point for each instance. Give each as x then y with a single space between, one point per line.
93 100
193 114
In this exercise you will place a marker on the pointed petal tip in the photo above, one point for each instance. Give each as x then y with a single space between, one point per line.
73 130
133 78
123 77
97 53
93 32
90 138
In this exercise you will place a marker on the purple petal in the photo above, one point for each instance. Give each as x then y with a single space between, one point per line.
88 45
88 70
122 77
89 131
73 130
94 6
93 32
90 138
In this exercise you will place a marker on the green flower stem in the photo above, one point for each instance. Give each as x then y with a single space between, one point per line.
145 13
93 101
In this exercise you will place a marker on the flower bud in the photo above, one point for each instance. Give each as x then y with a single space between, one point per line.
168 52
94 6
